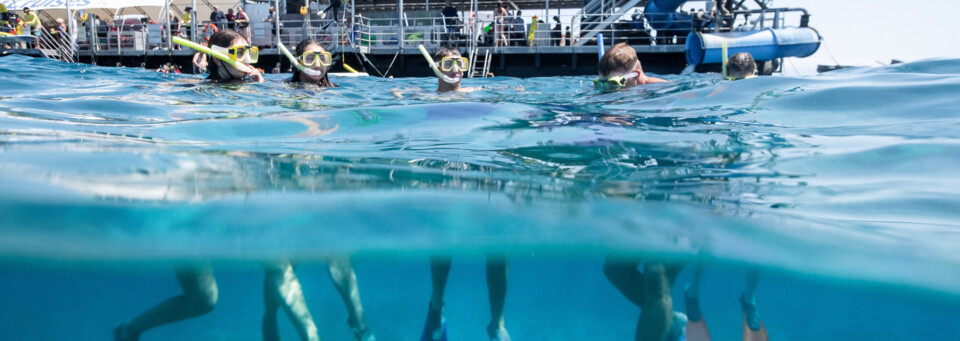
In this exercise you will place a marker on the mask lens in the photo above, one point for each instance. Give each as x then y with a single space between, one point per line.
316 58
308 58
447 63
325 58
254 53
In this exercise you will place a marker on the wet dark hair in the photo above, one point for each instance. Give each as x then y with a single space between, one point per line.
302 47
446 51
223 39
741 65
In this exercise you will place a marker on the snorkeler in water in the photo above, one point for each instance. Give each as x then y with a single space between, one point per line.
239 56
312 64
739 66
281 287
451 65
620 69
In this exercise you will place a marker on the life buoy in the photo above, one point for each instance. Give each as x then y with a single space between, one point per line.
209 26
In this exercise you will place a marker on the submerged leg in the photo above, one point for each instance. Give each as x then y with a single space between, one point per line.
497 289
624 276
345 280
657 319
282 285
199 297
433 328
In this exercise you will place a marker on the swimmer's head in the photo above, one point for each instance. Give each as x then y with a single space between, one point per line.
620 58
741 65
453 68
621 62
311 54
225 40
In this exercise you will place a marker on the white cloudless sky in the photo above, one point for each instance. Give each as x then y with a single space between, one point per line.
863 32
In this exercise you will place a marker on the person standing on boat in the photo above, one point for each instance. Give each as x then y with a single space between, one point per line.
450 20
499 24
557 32
243 23
519 30
334 6
186 19
218 18
4 16
272 18
230 17
31 22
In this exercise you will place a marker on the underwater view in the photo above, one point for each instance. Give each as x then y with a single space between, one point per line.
832 200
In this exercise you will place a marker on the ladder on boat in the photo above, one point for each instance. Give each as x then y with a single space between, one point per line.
481 67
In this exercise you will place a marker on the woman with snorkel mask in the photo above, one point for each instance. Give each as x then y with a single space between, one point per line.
239 54
314 64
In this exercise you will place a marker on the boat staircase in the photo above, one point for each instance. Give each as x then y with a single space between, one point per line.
57 48
598 15
479 66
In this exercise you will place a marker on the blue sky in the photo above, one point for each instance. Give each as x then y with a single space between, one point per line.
862 32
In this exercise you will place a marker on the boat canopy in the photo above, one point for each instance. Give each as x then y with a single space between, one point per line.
79 4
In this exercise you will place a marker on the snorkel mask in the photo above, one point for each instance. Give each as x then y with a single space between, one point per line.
309 71
436 68
614 83
232 61
246 54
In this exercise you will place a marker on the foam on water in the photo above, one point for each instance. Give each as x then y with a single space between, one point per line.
846 175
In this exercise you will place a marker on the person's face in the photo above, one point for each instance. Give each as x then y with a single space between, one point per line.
316 66
234 73
216 9
454 72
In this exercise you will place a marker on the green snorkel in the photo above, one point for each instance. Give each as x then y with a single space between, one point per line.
435 67
296 63
206 50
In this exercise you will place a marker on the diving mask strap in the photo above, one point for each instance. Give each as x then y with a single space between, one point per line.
297 64
434 66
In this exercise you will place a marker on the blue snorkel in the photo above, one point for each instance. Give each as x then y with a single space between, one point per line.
600 48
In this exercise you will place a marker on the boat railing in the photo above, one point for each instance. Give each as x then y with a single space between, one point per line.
634 29
434 31
55 47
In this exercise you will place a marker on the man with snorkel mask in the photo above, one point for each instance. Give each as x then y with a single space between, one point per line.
451 66
620 69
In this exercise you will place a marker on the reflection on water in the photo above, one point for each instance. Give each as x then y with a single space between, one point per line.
553 211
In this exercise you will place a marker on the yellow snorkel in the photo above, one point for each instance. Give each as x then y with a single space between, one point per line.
723 66
206 50
435 67
296 63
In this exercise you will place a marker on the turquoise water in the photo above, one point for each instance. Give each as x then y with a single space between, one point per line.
840 188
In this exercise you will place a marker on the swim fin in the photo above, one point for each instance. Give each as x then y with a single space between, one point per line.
435 329
696 324
753 328
754 335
